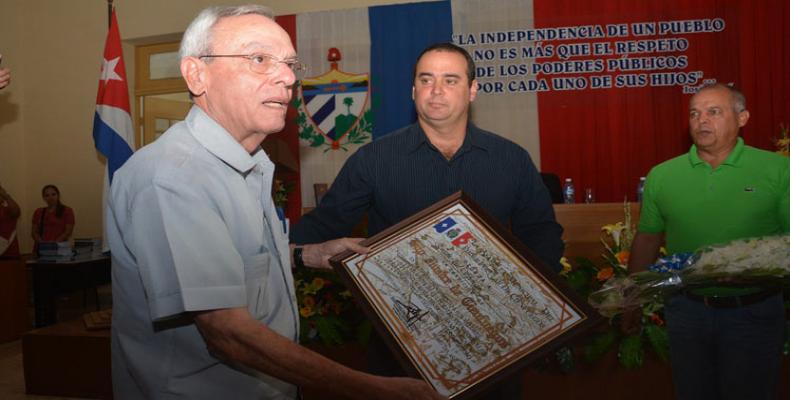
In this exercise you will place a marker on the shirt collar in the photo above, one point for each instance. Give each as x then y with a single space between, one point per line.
214 138
474 138
733 158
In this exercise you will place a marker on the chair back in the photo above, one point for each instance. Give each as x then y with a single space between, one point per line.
552 182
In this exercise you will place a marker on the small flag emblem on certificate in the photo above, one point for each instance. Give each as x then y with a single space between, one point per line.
444 225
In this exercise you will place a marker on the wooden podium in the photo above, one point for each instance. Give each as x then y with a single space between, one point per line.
582 226
66 359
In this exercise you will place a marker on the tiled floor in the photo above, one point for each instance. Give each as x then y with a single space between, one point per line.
12 379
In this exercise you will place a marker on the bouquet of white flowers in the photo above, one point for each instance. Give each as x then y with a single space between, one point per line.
761 261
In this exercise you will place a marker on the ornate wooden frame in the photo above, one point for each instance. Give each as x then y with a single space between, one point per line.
459 300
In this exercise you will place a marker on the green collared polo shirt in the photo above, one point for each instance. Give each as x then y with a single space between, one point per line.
748 195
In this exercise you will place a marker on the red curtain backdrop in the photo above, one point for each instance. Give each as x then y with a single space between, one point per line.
605 139
290 135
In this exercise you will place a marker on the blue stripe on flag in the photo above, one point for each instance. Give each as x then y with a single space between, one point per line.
110 144
323 112
398 33
333 88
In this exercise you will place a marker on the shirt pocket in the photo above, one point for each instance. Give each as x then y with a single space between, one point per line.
256 276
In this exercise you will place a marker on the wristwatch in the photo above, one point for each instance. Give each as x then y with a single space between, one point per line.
297 257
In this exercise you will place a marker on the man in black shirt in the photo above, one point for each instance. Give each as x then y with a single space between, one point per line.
409 169
414 167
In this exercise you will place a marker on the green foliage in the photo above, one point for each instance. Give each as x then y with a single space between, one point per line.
331 329
565 360
599 345
317 139
281 190
296 102
348 102
358 134
659 340
327 312
580 277
631 352
583 277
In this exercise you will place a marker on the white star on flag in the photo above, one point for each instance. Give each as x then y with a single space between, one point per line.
108 70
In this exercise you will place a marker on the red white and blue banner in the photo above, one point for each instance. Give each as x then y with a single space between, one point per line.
113 134
603 85
333 100
595 90
359 60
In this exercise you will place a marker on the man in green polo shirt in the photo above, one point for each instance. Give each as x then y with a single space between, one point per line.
725 341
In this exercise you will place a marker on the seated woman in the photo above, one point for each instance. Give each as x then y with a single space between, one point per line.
53 223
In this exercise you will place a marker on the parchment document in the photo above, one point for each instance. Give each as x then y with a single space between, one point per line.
459 302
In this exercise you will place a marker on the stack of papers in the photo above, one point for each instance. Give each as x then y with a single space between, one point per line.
87 248
55 251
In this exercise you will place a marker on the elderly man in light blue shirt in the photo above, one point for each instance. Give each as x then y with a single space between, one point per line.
203 296
182 240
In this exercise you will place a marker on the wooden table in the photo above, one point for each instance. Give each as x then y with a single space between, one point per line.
51 279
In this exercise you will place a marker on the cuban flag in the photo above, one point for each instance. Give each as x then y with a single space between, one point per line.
463 239
359 78
571 97
444 224
112 124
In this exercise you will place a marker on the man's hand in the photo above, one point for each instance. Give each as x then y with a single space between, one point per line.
5 77
644 251
318 255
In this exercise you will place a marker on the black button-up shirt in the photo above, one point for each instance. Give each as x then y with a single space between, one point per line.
402 173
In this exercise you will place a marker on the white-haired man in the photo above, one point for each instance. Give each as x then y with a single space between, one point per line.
725 340
203 297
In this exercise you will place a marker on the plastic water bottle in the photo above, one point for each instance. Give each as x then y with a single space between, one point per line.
640 189
568 192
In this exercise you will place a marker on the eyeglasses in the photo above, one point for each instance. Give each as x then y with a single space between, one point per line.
266 64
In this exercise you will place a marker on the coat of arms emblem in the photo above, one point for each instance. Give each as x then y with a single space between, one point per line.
333 109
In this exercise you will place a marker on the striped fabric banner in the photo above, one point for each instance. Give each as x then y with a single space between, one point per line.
358 85
577 84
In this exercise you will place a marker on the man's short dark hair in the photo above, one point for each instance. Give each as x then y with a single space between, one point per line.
447 46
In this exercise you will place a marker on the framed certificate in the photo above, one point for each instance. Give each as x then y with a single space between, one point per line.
459 300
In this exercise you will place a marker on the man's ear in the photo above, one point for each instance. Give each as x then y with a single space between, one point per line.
194 72
473 91
412 93
743 118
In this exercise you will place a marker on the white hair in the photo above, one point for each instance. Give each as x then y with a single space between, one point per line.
197 38
738 99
